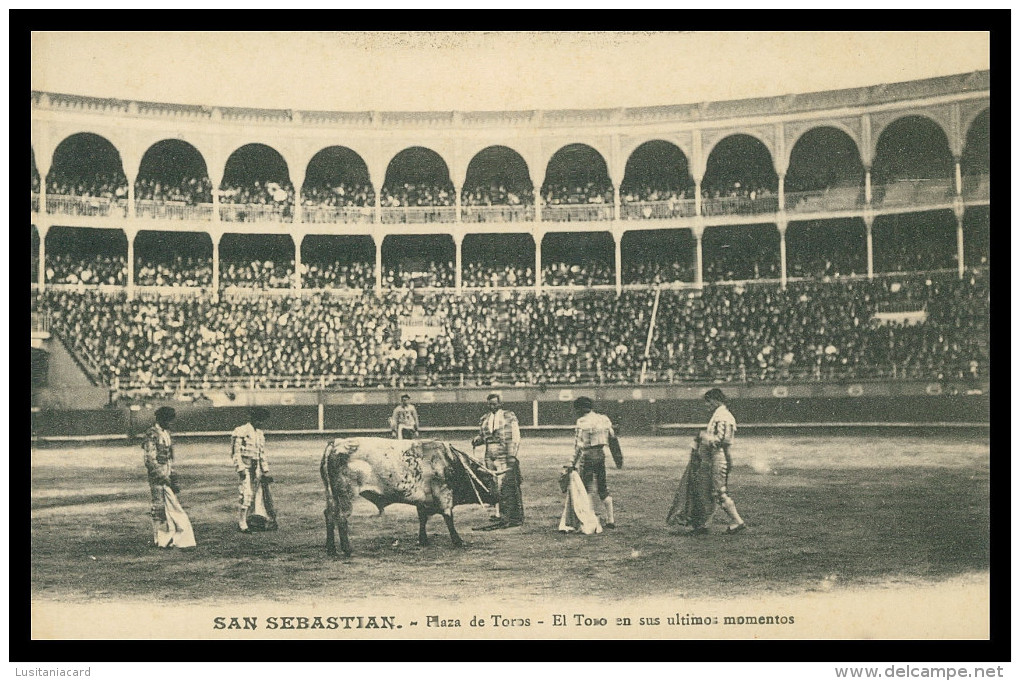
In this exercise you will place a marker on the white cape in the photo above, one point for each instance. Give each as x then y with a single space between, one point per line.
577 511
177 529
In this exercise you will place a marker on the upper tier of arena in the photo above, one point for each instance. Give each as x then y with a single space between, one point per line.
854 153
952 103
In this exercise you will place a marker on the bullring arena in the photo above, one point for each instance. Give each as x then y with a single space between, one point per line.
822 257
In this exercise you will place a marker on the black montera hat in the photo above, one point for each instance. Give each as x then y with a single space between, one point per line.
166 414
584 403
715 394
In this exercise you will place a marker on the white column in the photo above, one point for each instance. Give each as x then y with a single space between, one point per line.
378 259
616 202
617 243
869 220
458 240
298 180
538 260
130 234
699 232
697 197
958 206
959 177
867 188
41 274
782 193
215 204
781 225
215 259
378 206
131 197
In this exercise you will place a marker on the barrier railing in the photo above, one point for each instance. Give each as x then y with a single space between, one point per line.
581 212
825 371
498 214
35 202
658 210
825 200
86 206
337 215
417 214
740 205
254 212
172 210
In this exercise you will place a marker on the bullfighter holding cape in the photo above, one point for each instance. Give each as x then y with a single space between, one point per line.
171 526
248 454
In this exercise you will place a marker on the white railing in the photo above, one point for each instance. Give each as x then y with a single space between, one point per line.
243 291
914 192
661 373
145 291
254 212
498 214
172 210
828 200
332 215
418 214
658 210
87 206
580 212
740 205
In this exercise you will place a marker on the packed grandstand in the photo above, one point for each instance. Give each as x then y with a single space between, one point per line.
830 270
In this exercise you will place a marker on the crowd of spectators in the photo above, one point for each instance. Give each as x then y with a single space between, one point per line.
180 271
913 250
649 193
422 275
342 195
812 330
497 195
484 275
65 268
354 275
590 192
410 195
258 194
588 273
190 191
657 272
257 273
738 190
739 264
824 331
100 185
739 199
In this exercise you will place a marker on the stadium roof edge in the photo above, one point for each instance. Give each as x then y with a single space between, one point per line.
975 81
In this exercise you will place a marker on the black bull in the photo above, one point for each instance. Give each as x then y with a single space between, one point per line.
432 476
